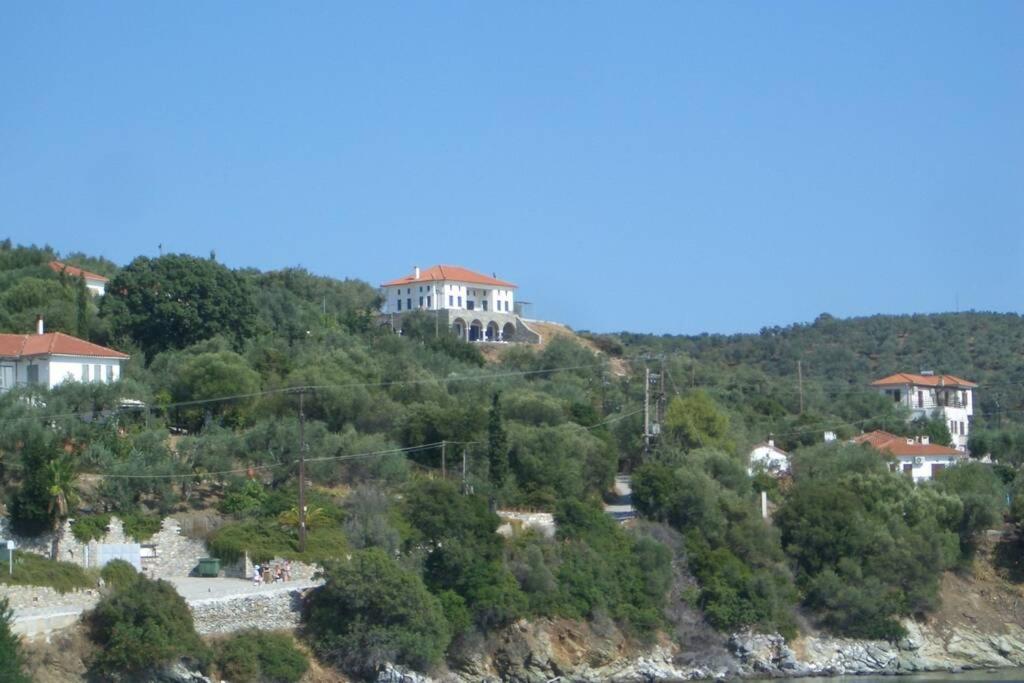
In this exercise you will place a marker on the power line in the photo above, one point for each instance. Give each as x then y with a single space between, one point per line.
293 389
243 470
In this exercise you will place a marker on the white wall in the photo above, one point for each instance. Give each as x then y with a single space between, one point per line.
461 293
769 459
69 368
923 472
927 406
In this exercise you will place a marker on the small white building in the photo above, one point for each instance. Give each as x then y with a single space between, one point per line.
49 358
96 284
915 456
767 457
927 394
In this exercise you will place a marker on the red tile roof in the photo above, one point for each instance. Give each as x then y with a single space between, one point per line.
57 266
52 344
901 378
898 446
453 273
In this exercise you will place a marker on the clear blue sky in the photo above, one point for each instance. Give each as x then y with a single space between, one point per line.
664 167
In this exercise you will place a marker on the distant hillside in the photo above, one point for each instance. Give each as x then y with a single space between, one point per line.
840 357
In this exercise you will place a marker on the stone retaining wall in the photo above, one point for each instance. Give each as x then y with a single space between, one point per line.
267 611
28 597
173 554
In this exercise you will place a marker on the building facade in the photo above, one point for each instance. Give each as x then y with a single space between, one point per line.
49 358
928 394
914 456
768 457
475 307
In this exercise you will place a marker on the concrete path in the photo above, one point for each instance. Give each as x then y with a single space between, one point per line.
622 507
37 621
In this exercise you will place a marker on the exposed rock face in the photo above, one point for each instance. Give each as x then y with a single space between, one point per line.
925 648
178 672
538 651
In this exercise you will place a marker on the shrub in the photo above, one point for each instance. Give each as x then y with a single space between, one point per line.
266 539
90 527
141 625
371 611
33 570
140 527
260 656
12 659
118 574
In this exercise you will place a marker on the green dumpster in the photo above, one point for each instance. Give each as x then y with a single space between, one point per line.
209 566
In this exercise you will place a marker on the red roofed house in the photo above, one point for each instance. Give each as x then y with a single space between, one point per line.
914 456
47 359
476 307
96 284
926 394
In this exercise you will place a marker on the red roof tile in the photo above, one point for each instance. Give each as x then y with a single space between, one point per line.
901 378
897 445
52 344
452 273
57 266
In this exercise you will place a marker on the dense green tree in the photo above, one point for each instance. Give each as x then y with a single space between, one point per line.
255 656
869 545
497 446
12 659
140 625
370 611
694 421
177 300
983 497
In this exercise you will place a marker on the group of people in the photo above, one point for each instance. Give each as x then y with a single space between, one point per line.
272 574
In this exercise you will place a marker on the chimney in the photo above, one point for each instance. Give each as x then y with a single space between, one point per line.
39 324
416 272
925 440
771 441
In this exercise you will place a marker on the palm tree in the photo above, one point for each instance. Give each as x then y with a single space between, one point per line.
315 517
62 488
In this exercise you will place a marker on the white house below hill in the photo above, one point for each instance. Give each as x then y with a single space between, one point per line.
915 456
50 358
926 394
767 457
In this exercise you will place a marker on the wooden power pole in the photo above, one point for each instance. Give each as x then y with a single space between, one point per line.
800 383
444 469
302 472
647 409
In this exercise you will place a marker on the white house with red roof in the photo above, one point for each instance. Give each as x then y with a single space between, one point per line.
96 284
49 358
928 394
476 307
915 456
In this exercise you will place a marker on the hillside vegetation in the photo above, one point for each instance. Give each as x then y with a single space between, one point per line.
222 359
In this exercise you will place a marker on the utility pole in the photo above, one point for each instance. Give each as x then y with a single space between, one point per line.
647 409
800 383
302 472
465 487
444 470
661 395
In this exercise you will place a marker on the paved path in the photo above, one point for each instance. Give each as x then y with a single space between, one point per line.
33 621
622 508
